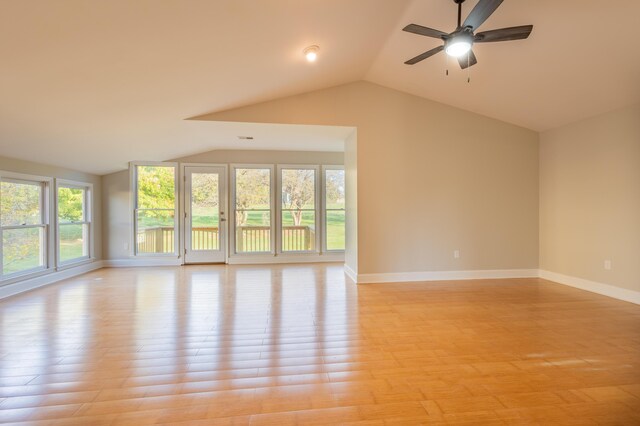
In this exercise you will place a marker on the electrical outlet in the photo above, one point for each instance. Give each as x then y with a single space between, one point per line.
607 265
125 246
456 254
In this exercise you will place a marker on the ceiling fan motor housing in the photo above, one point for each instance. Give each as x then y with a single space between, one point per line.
463 34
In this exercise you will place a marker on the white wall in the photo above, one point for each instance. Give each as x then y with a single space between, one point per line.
430 178
117 196
590 199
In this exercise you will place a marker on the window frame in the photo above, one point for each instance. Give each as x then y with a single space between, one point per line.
133 175
316 204
232 210
325 209
47 249
88 220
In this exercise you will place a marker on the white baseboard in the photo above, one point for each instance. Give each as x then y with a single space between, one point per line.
270 259
42 280
395 277
592 286
351 273
132 263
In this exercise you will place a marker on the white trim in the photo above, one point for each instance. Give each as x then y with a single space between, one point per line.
592 286
258 259
394 277
25 177
142 261
32 283
351 274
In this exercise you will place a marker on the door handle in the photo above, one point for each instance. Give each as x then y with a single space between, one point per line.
222 219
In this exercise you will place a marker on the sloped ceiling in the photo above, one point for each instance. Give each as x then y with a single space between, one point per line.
93 85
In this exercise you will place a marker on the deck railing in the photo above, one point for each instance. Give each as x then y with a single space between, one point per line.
156 240
248 239
253 239
298 238
204 238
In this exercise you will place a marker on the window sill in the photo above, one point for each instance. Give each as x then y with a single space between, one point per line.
76 263
26 276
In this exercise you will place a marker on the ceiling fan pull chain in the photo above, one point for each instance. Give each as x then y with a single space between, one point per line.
446 62
468 67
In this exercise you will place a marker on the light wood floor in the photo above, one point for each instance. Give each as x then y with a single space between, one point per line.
285 345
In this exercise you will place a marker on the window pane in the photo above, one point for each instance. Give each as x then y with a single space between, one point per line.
156 187
204 211
335 229
22 249
20 203
73 241
253 210
334 181
298 230
253 231
70 205
298 189
253 189
155 231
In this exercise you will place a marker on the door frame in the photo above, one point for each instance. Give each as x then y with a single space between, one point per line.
224 204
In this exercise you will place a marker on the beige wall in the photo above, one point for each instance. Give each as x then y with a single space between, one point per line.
264 157
351 202
590 199
117 196
430 178
116 202
27 167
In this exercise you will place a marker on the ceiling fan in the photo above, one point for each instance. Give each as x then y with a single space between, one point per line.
459 42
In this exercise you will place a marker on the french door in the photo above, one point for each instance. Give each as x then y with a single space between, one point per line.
205 222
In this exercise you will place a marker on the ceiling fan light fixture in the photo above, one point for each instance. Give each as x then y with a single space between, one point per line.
459 45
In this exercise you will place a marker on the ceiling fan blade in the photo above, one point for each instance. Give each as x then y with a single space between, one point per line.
467 60
504 34
425 31
480 13
424 55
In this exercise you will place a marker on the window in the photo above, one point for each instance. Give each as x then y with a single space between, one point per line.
23 226
155 208
334 208
74 222
298 209
252 209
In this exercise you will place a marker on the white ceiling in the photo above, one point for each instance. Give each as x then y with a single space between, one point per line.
93 85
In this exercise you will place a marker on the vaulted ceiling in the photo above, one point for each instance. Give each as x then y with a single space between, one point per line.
92 85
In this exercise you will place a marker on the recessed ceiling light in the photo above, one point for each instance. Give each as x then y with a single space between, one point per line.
311 53
245 138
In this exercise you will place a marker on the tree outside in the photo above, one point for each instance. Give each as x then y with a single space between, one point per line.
298 195
72 236
20 205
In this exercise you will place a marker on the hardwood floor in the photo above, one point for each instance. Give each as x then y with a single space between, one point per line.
296 344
